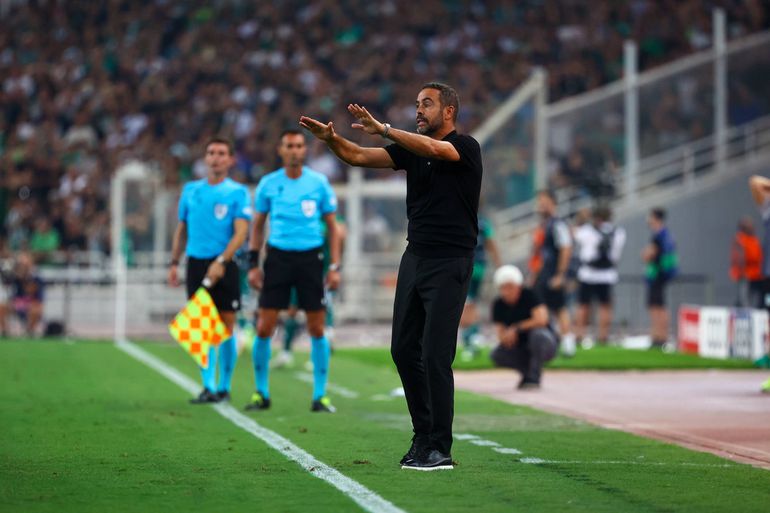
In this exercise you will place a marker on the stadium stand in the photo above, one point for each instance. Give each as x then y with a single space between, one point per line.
87 85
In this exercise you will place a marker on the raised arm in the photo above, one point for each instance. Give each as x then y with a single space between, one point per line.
418 144
347 150
760 188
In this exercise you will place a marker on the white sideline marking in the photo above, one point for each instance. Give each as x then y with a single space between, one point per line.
465 436
364 497
506 450
337 389
538 461
485 443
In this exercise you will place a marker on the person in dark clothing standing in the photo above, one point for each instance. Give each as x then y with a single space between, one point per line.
443 184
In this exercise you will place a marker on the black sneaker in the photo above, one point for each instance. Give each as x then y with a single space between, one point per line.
419 444
205 397
223 395
528 384
258 402
323 404
433 460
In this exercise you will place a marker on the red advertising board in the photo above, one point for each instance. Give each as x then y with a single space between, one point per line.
689 321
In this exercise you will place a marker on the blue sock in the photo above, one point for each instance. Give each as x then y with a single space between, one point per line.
228 354
209 376
319 353
260 355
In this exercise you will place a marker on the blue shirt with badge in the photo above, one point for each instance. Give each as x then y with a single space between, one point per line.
210 212
295 206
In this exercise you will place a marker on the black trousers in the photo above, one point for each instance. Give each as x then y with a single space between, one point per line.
528 356
430 294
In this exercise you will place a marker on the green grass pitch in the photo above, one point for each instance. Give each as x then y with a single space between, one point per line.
87 428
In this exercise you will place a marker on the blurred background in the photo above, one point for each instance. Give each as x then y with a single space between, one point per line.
105 108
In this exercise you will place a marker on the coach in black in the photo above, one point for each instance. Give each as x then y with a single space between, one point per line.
443 183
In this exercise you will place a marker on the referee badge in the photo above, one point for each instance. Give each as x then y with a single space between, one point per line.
308 207
220 211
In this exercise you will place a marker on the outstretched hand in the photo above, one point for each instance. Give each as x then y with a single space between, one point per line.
366 121
324 132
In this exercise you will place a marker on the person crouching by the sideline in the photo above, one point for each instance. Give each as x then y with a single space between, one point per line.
521 320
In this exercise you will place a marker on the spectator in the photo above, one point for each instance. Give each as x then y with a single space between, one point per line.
44 241
26 297
661 267
521 321
746 265
600 245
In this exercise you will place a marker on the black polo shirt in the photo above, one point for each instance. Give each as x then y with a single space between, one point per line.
442 198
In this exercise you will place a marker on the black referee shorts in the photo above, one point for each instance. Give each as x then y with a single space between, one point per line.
226 293
302 270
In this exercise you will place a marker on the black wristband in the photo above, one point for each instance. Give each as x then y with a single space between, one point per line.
253 258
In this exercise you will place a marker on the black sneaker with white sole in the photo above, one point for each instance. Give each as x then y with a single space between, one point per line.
258 402
419 444
430 460
205 397
223 395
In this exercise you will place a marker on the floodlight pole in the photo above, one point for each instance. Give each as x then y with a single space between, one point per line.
720 88
631 73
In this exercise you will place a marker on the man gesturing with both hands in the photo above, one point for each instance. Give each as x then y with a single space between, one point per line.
443 177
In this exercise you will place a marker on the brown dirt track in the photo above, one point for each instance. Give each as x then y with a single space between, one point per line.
721 412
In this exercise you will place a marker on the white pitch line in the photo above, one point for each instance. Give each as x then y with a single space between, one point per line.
485 443
364 497
465 436
506 450
337 389
539 461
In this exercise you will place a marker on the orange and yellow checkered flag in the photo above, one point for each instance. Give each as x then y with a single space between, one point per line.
198 326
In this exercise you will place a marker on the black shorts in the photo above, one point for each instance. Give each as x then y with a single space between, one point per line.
601 292
226 293
554 299
656 293
285 270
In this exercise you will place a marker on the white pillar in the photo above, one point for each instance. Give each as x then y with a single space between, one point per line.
541 130
720 88
631 118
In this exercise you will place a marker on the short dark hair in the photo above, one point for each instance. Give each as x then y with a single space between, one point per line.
222 140
447 96
602 213
658 213
291 131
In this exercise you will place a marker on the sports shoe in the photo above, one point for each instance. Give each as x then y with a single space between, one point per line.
433 460
205 397
284 359
528 384
568 345
419 444
258 402
766 387
323 404
223 395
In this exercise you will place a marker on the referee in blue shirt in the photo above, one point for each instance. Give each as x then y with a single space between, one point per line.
214 216
295 198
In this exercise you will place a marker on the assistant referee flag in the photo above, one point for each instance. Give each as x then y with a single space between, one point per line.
198 326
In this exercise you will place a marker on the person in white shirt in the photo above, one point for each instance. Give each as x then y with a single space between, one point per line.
600 244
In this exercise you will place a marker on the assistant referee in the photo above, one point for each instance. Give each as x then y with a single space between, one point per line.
214 216
443 183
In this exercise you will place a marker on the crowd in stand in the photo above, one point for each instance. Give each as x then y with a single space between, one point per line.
85 85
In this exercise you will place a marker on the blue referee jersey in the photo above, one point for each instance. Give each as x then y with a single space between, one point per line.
210 212
295 207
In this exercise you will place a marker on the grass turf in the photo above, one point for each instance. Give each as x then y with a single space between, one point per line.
86 428
597 358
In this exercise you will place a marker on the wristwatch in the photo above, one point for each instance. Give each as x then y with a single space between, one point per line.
334 267
386 131
221 260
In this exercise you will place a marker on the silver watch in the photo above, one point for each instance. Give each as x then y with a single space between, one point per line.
387 130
